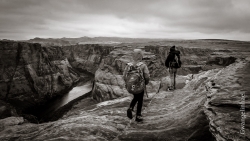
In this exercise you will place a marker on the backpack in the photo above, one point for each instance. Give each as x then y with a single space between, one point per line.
134 79
172 60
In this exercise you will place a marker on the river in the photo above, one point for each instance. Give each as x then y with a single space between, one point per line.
53 106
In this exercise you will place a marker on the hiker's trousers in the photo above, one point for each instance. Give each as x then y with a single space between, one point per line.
172 72
138 98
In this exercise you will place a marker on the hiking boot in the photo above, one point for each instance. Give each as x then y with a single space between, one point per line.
139 119
129 113
171 88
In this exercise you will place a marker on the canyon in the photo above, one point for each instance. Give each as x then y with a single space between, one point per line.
33 74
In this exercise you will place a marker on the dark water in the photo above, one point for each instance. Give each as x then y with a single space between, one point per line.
76 92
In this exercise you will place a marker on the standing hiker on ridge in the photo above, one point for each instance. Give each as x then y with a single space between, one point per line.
172 63
136 76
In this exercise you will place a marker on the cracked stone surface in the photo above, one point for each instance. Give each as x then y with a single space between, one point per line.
168 115
227 105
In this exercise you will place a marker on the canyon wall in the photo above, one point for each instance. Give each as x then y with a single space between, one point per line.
31 74
86 58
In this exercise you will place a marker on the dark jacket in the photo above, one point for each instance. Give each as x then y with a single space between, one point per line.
173 59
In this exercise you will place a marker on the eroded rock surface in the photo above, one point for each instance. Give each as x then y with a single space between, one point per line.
177 115
227 105
86 58
30 73
198 111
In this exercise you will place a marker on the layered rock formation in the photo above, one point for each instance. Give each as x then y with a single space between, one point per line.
177 115
227 106
86 58
31 74
48 70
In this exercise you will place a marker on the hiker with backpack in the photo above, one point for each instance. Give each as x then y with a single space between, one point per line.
172 63
136 77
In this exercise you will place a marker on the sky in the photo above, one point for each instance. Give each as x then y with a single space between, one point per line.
170 19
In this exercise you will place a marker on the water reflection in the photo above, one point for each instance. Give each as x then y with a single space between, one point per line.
73 94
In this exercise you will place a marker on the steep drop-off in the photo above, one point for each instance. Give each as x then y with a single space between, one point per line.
31 74
176 116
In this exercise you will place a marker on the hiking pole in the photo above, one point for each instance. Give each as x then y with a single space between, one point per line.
159 88
145 89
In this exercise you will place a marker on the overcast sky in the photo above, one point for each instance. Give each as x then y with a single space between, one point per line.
174 19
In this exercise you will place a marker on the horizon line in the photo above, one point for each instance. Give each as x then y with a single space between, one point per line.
129 38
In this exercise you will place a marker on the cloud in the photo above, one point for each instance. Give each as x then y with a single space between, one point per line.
188 19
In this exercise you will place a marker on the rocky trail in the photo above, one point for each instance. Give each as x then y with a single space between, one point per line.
163 120
171 115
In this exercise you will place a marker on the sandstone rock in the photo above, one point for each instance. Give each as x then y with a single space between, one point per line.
30 73
174 115
103 92
10 122
177 115
228 102
86 57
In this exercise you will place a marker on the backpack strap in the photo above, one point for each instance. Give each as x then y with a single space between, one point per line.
175 60
140 71
137 65
127 68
